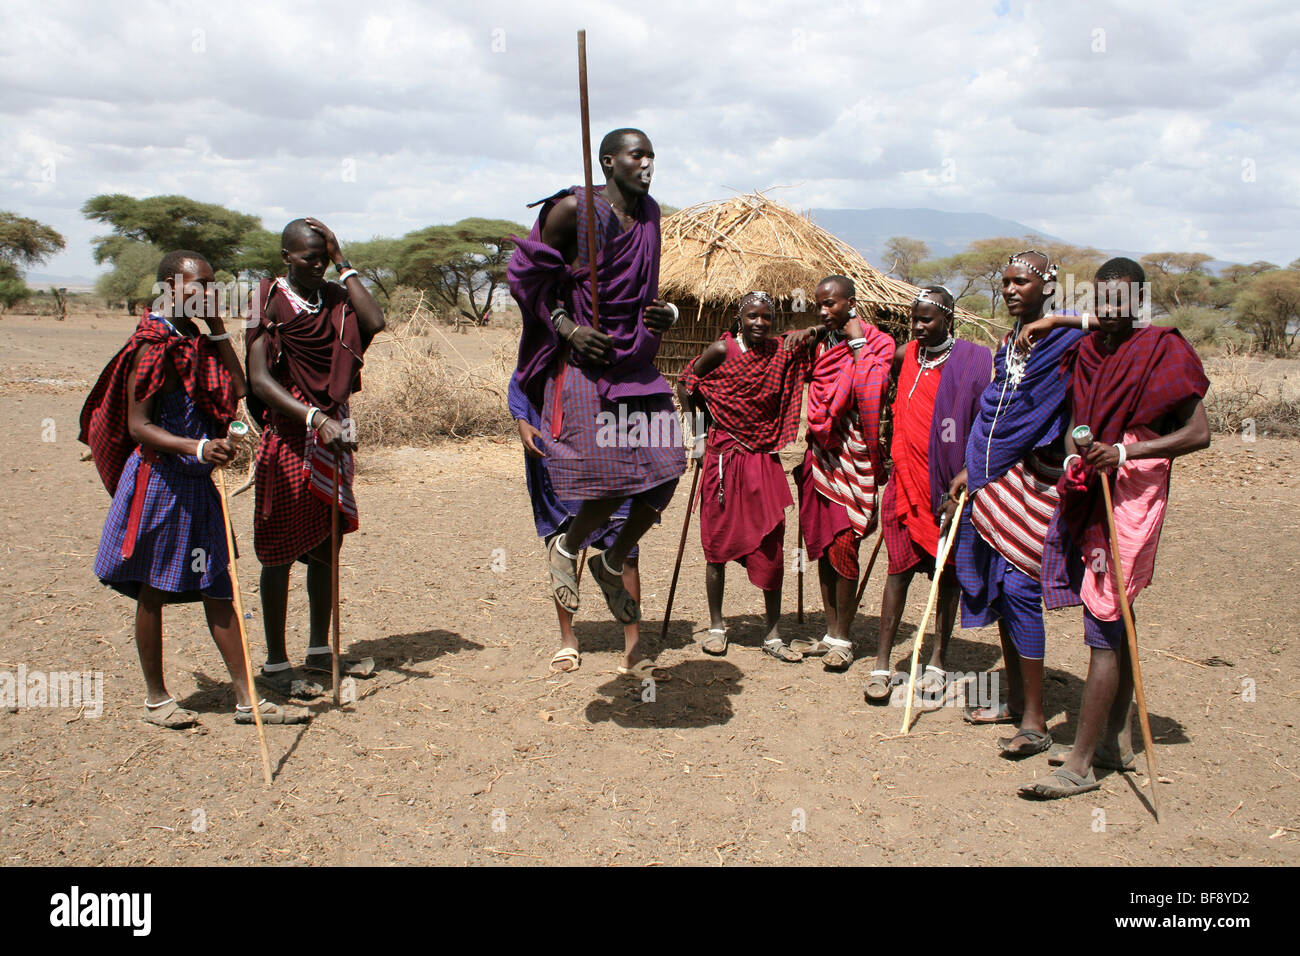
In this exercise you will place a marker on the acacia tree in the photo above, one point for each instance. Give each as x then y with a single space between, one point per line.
906 255
377 261
1267 306
1178 279
171 222
23 242
458 264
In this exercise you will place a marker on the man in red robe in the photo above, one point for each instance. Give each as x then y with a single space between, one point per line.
304 362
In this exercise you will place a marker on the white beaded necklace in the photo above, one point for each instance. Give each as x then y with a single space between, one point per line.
941 353
298 302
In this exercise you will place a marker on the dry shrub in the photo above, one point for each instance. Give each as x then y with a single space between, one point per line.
414 395
1242 392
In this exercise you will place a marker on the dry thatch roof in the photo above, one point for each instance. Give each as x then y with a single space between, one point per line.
717 251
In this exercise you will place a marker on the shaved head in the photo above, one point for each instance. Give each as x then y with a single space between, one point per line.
843 283
174 263
613 140
297 234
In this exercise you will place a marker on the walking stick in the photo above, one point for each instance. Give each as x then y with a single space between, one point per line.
871 563
586 175
940 560
1083 439
334 581
237 431
800 563
681 546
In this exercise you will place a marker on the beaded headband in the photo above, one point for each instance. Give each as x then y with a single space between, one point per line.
923 297
760 296
1049 276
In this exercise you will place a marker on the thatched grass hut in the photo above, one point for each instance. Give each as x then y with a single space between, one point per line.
715 252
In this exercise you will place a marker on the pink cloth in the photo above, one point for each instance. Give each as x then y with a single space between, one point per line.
1140 494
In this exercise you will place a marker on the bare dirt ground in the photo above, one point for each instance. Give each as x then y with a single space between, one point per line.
464 750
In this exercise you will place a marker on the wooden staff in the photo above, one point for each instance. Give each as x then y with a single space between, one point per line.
237 431
1083 439
871 563
586 178
334 581
681 547
800 564
940 560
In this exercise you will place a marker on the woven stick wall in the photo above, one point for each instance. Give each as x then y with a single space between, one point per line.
715 252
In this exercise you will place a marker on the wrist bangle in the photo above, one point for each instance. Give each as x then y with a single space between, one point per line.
219 337
1069 458
347 274
311 413
857 343
676 315
1123 455
559 312
1083 321
198 452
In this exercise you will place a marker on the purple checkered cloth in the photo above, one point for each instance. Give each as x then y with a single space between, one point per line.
181 515
611 449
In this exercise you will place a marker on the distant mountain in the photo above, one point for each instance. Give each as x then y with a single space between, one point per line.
946 233
41 281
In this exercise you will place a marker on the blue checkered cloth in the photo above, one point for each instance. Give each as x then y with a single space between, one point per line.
180 524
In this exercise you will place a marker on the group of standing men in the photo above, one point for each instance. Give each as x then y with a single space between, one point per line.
605 452
968 425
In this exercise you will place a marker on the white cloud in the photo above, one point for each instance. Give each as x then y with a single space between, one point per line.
1103 123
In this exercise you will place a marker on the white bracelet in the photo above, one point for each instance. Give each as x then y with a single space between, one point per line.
198 452
1123 456
348 272
218 338
311 413
1069 458
857 343
676 315
1083 321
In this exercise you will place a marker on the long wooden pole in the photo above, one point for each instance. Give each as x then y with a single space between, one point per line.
800 562
857 603
243 633
681 547
1083 439
334 582
586 177
1131 632
940 562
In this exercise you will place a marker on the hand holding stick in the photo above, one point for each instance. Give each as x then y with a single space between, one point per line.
238 431
1083 439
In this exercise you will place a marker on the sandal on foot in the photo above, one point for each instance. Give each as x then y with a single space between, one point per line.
1103 758
287 683
272 714
1003 714
1060 783
807 648
169 714
645 669
1038 742
775 647
621 604
348 666
932 685
566 661
564 578
879 686
838 658
716 642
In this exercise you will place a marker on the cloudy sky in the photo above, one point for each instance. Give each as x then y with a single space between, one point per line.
1137 125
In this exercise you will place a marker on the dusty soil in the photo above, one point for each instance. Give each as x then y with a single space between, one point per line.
463 749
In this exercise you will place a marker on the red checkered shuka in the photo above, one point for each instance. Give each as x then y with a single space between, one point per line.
196 363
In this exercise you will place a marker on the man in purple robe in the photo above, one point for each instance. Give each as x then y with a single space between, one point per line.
609 430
